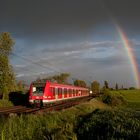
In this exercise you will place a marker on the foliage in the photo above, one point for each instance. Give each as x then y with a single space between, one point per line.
7 78
56 125
21 86
132 97
5 103
62 78
106 84
95 87
132 88
80 122
116 87
112 99
107 125
80 83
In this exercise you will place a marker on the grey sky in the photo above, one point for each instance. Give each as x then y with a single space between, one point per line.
76 36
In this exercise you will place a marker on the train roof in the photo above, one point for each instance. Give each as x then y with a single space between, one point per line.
56 84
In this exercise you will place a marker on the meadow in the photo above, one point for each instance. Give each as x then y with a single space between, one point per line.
132 98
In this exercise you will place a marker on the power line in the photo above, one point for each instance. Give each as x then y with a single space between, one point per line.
29 60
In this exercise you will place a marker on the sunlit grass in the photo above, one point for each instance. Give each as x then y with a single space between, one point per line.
56 125
65 123
132 97
5 103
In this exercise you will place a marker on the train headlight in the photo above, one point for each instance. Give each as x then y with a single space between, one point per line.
44 96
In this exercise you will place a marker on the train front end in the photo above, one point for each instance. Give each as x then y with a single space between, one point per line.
37 91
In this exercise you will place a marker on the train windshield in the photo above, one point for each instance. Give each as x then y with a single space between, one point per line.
38 90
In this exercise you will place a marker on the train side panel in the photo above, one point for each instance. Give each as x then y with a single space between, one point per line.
53 92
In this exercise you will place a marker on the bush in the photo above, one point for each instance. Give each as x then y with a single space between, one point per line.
5 103
132 88
107 125
112 99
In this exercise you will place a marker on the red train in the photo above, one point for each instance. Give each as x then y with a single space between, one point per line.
48 92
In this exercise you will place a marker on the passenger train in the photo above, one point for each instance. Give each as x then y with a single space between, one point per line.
48 92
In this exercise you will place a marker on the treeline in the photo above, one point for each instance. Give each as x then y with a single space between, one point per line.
8 81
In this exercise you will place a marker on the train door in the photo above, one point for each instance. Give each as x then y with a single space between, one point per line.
59 93
73 92
56 93
65 93
69 92
53 92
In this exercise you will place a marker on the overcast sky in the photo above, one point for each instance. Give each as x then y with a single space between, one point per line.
75 36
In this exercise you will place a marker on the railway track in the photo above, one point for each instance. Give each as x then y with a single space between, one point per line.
18 110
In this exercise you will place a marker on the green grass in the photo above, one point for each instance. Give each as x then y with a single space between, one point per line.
5 103
89 120
132 97
55 126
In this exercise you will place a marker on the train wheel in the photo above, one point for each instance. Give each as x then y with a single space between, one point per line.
41 103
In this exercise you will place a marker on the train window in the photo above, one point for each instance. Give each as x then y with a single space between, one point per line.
76 92
73 92
59 90
65 91
69 91
52 89
56 91
38 90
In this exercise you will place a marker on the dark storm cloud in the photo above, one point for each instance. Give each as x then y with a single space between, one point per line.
35 18
47 19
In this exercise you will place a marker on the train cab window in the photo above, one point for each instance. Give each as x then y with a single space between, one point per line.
38 89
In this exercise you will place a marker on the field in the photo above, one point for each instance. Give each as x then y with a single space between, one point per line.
132 98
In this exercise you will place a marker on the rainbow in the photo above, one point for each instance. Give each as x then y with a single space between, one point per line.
131 55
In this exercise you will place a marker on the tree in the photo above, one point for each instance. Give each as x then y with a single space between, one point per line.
62 78
116 87
80 83
7 78
21 86
106 85
95 87
132 88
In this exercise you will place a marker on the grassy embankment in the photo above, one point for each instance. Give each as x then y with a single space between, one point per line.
89 120
56 125
5 103
132 98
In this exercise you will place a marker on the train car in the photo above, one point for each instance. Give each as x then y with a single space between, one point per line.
49 92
